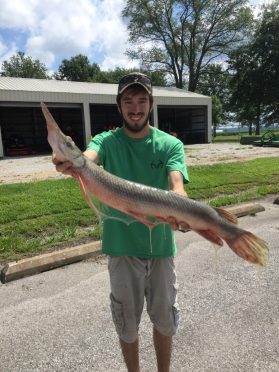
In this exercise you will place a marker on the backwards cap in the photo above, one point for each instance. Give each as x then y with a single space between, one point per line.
135 78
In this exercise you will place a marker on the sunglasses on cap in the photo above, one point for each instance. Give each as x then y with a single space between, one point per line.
135 78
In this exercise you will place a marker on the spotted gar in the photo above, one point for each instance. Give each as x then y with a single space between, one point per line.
140 201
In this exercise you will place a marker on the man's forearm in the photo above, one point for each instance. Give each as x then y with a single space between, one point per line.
176 183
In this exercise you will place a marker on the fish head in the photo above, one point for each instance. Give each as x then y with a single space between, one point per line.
63 146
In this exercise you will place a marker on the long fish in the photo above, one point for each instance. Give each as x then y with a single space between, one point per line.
140 201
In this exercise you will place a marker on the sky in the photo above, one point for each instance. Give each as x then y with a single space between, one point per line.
53 30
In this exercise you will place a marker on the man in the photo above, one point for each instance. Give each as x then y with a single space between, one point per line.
141 262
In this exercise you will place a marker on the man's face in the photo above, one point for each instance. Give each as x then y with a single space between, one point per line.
135 109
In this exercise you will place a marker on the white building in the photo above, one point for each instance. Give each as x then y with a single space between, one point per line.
85 109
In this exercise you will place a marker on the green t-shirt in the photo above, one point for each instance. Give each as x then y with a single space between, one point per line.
146 160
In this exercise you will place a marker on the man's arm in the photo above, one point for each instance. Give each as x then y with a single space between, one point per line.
176 185
92 155
176 182
64 167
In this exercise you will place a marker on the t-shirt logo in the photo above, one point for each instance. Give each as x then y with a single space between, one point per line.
156 164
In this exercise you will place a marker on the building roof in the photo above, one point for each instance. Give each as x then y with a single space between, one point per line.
61 86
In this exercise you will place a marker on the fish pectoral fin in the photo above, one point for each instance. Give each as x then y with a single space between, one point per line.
141 218
184 226
209 235
227 215
175 225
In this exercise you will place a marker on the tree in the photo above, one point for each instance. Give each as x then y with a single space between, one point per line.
78 68
158 78
113 76
247 87
266 49
23 66
214 81
217 112
255 71
181 37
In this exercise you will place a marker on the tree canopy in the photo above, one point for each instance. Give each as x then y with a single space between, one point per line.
214 81
23 66
113 76
266 49
181 37
255 73
217 112
77 68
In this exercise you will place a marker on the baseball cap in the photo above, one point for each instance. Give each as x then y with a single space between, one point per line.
135 78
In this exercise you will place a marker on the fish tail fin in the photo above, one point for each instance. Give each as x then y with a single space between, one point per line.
249 247
227 215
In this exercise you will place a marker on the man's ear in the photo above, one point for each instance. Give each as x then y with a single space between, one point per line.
119 109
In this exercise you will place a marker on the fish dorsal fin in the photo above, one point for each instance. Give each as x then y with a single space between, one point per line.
227 215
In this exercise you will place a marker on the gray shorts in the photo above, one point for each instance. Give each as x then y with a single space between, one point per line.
133 279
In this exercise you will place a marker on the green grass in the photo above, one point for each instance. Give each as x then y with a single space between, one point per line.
226 138
39 216
230 183
235 136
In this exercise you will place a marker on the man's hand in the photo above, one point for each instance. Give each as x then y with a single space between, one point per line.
62 167
65 167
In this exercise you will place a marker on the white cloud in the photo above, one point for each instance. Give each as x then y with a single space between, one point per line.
64 29
6 52
113 36
109 63
113 40
257 5
54 30
18 14
58 29
3 48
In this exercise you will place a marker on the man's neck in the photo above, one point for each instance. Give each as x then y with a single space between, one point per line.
143 133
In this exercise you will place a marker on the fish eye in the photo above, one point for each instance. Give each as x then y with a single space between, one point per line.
69 144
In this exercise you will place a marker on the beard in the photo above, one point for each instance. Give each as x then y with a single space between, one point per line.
136 127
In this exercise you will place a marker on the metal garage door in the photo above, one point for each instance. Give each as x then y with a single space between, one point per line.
104 117
189 124
24 130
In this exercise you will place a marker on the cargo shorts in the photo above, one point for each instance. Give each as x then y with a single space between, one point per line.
134 279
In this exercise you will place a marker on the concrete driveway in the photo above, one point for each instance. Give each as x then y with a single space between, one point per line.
40 167
60 320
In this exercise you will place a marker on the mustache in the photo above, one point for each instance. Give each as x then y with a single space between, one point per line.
135 113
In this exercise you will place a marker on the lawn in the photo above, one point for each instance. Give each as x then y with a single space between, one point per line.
40 216
235 136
